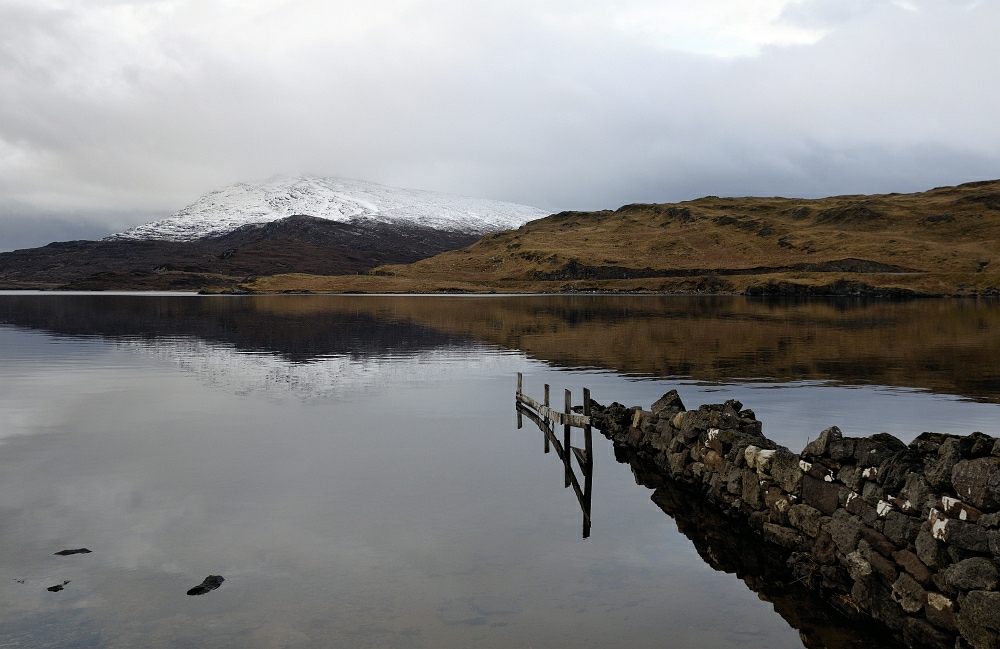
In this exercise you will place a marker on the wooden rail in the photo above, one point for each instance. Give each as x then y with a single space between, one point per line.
544 417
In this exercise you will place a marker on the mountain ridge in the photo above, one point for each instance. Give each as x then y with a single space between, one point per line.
336 199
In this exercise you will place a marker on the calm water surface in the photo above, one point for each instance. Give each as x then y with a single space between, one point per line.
353 468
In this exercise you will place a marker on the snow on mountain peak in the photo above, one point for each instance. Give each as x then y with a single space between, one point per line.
337 199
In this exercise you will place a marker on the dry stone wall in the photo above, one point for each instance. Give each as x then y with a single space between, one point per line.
907 535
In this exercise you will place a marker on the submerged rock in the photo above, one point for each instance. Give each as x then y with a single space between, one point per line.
66 553
57 587
211 583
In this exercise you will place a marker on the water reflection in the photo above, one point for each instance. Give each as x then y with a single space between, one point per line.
945 346
730 547
725 544
391 502
565 451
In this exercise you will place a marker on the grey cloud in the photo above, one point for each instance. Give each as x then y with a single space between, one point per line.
489 100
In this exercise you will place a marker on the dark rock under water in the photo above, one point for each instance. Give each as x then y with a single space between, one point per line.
211 583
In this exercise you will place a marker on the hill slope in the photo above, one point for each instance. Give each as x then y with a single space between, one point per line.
943 241
302 244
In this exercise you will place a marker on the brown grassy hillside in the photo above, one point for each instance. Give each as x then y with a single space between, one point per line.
943 241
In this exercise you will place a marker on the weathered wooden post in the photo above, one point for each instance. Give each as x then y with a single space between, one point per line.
546 405
567 449
588 470
517 403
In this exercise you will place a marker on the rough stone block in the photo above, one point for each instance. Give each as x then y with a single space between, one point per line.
872 493
751 488
982 608
977 482
955 508
979 619
878 541
841 449
901 529
975 573
908 593
975 636
824 549
850 475
857 506
678 461
734 481
786 471
845 529
989 521
884 568
960 534
930 551
778 504
668 406
913 565
820 472
818 446
856 564
805 518
993 541
871 595
937 470
824 496
834 578
940 611
918 634
872 451
786 537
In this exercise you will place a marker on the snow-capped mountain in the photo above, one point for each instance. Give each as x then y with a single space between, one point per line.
337 199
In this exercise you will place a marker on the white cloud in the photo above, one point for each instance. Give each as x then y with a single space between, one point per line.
140 107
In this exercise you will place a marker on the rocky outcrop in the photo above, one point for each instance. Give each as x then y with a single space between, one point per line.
907 536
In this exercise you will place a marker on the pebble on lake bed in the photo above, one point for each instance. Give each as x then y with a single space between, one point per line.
211 583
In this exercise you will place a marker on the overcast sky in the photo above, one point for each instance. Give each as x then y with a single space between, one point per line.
113 112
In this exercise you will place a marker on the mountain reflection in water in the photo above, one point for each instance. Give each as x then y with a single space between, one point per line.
944 346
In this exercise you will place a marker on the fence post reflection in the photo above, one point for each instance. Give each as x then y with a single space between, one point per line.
545 418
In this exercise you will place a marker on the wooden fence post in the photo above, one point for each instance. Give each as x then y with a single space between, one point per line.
588 470
518 403
567 449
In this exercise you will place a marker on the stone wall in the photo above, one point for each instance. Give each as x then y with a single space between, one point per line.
907 535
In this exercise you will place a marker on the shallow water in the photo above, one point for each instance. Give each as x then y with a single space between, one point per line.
352 465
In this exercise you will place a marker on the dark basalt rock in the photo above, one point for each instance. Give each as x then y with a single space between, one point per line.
976 573
977 482
211 583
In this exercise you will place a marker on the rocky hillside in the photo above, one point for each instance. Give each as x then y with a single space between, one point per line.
299 244
943 241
